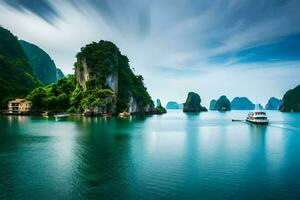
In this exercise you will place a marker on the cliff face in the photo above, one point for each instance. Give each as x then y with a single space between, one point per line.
222 104
291 100
101 65
242 103
273 104
193 103
42 65
16 76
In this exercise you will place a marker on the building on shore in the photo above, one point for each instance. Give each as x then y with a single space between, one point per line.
19 106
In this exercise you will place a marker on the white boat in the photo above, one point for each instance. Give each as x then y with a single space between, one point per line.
257 117
60 116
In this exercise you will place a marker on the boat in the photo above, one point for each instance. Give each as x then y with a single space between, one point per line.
58 117
257 117
124 114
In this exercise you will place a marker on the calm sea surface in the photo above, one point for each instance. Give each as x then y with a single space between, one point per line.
173 156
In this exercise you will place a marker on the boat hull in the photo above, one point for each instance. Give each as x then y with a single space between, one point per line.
258 122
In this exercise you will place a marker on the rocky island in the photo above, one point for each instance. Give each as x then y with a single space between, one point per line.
103 84
172 105
242 103
273 104
193 103
222 104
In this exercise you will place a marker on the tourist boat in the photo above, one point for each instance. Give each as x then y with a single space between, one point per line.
60 116
257 117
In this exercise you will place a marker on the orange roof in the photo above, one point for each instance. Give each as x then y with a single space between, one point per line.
19 100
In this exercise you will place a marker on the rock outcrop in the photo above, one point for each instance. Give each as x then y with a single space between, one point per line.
172 105
158 103
291 100
193 103
101 65
273 104
222 104
242 103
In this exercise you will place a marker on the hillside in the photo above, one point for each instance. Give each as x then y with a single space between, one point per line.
16 78
291 100
42 64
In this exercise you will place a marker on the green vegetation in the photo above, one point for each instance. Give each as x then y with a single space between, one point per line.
74 94
193 103
16 78
42 65
291 100
160 110
104 59
55 97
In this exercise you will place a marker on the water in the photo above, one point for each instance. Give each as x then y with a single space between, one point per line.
173 156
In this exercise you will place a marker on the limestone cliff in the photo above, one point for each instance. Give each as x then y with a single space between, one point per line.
193 103
101 65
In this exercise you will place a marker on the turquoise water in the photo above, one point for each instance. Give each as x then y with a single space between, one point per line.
172 156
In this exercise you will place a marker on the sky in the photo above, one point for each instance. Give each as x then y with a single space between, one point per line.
213 47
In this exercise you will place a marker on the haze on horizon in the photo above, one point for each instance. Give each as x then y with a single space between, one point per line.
232 47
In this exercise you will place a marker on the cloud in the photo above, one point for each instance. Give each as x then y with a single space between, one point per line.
41 8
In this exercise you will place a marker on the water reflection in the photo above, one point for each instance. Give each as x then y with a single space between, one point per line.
172 156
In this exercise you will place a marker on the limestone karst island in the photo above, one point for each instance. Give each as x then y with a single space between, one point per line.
130 100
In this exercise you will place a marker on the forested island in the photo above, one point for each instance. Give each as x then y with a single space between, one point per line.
103 83
193 103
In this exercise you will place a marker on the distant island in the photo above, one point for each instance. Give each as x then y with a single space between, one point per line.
242 103
273 104
193 103
172 105
222 104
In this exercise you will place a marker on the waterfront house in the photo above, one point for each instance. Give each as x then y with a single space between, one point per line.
19 106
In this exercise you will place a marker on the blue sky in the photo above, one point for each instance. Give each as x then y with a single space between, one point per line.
237 48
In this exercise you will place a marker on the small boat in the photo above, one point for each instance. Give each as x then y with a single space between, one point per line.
106 115
236 120
257 117
124 114
58 117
